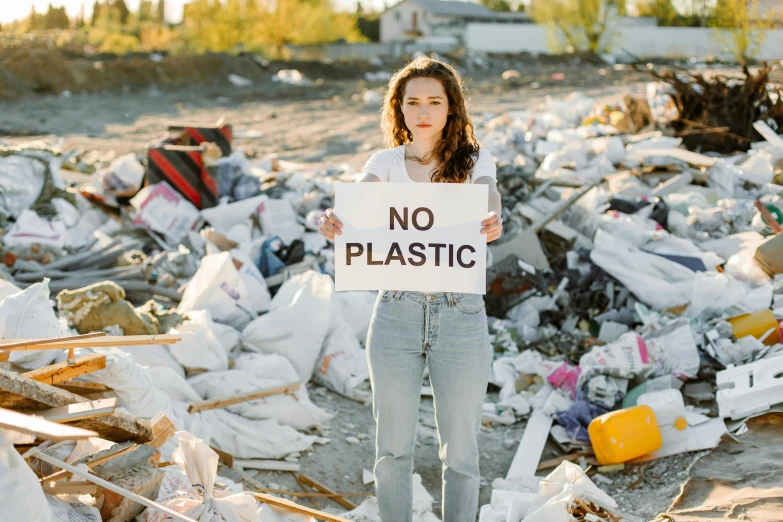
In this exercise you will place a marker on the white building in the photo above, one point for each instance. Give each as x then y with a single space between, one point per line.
414 19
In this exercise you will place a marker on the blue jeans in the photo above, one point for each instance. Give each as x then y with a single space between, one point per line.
447 332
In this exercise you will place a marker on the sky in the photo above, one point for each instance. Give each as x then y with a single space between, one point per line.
17 9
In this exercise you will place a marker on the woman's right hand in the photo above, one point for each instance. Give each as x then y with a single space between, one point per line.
329 225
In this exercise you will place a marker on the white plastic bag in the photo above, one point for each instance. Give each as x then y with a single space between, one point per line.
199 347
560 489
218 288
279 219
254 372
297 323
30 228
656 281
343 363
224 217
21 181
162 209
195 495
22 494
30 315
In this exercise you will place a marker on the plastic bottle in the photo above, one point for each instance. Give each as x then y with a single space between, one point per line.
669 408
756 324
622 435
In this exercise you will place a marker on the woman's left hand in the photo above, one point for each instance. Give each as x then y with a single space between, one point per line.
493 227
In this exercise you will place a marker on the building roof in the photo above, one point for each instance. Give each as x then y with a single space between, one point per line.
453 8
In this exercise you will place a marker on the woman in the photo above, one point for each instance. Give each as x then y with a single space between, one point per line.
427 127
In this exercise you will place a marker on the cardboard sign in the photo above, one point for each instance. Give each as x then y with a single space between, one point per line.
423 237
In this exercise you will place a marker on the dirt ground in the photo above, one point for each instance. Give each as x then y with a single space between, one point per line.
329 124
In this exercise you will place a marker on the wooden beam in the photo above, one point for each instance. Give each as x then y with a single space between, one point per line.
79 411
51 340
227 459
267 465
108 341
162 430
71 488
296 508
122 450
112 487
64 371
82 387
552 463
41 428
323 489
237 399
22 394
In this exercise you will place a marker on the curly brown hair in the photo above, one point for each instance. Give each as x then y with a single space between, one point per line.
456 152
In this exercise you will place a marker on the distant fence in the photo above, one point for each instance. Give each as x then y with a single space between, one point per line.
670 42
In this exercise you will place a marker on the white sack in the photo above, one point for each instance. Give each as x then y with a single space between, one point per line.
356 308
21 181
199 347
162 209
195 496
154 356
656 281
22 494
217 287
224 217
297 324
266 371
30 228
68 509
254 439
343 363
278 218
253 279
30 315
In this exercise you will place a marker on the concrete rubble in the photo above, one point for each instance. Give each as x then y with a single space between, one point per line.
629 266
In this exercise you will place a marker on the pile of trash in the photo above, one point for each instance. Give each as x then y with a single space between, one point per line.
636 282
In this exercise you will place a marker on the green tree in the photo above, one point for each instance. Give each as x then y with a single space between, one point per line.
96 13
584 24
662 10
740 26
55 18
121 10
497 5
34 21
161 11
145 13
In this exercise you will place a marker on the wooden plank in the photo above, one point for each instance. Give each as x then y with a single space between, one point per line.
237 399
227 459
64 371
91 463
296 508
52 340
111 487
82 387
553 463
109 341
71 488
693 158
267 465
323 489
23 394
83 410
162 430
41 428
531 446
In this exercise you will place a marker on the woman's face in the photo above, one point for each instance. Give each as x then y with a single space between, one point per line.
425 107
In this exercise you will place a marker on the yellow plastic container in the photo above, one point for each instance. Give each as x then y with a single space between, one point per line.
756 324
622 435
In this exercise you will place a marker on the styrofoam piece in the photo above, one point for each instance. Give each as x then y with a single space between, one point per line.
751 388
768 134
531 446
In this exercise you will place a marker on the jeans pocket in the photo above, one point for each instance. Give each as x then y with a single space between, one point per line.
470 303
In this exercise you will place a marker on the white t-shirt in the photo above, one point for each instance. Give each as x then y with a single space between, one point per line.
389 165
